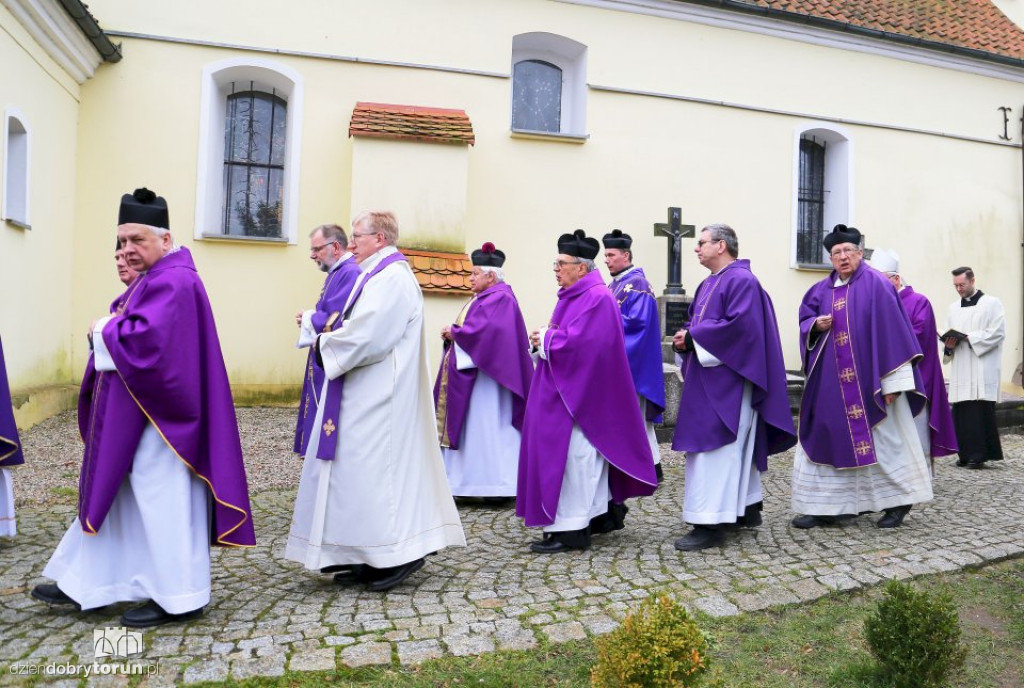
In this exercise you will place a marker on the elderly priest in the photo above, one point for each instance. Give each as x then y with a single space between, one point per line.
481 386
584 449
859 450
162 472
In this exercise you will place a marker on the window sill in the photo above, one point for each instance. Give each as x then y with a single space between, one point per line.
548 136
17 223
813 267
239 239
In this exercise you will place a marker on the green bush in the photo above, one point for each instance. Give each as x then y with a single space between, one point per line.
656 645
915 637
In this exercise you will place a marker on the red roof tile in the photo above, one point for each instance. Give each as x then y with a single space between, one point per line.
972 24
440 273
411 122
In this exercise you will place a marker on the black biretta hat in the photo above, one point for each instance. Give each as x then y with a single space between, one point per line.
488 256
841 234
144 207
617 239
578 244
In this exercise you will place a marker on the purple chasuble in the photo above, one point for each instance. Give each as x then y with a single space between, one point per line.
940 418
585 380
642 332
10 445
732 317
871 336
170 372
493 333
337 286
332 397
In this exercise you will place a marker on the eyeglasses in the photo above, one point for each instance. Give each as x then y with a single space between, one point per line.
700 244
321 247
559 264
844 252
362 234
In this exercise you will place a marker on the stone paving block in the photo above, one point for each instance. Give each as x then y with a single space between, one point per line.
206 670
808 589
363 654
259 666
839 581
338 640
561 632
462 645
417 651
599 624
315 660
716 606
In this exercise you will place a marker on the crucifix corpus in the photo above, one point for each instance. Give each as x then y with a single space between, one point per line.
673 304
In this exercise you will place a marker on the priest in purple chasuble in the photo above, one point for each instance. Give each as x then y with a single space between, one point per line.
734 409
10 453
641 329
935 423
859 450
481 386
373 499
584 449
328 248
162 474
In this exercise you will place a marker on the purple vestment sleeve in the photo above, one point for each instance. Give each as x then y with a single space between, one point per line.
171 373
584 381
940 419
493 333
337 286
642 333
10 445
837 397
733 318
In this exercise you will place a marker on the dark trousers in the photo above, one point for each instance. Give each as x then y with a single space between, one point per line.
976 431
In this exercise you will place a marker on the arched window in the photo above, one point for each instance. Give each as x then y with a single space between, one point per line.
822 191
254 144
549 84
536 96
249 141
15 174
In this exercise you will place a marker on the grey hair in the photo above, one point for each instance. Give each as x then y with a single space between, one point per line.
383 221
499 274
161 232
588 264
722 232
332 232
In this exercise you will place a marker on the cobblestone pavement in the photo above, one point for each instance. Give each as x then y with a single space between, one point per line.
269 615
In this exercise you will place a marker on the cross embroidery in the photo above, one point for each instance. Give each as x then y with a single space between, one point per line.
863 448
840 304
855 412
847 374
329 427
842 338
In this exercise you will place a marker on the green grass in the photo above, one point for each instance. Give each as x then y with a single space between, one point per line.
62 491
806 646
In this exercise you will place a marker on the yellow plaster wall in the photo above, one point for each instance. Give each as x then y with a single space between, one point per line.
936 200
36 265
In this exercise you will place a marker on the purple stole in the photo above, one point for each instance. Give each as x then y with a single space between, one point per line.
10 445
849 385
332 397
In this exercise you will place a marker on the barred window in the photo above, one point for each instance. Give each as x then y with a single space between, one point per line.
254 162
810 230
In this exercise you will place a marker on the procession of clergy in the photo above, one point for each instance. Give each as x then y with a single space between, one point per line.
560 418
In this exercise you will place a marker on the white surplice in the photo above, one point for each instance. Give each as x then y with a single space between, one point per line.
155 541
900 477
486 464
974 368
721 483
8 526
384 499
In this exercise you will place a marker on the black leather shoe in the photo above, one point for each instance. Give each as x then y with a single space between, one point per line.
152 614
610 521
552 544
392 577
751 518
659 473
961 463
701 537
975 465
337 568
354 574
894 517
51 594
808 521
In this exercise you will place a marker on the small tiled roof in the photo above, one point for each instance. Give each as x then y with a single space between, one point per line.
411 122
440 273
971 24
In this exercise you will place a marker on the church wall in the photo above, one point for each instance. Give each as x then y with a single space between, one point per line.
936 199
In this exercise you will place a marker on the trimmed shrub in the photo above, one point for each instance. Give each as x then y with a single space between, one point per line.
915 637
658 644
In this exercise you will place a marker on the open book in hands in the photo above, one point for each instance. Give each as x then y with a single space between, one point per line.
952 334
